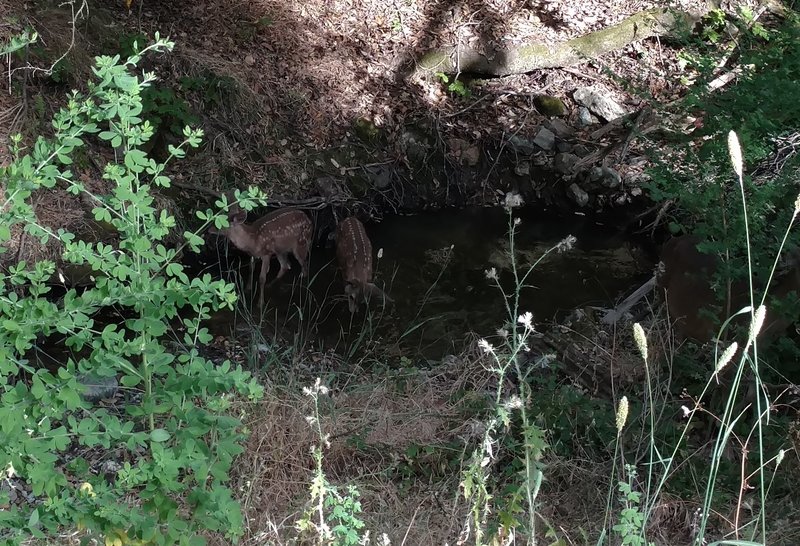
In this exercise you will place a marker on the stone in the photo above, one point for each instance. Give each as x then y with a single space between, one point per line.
561 129
522 145
95 387
523 168
549 106
581 150
607 176
599 103
564 162
585 117
380 176
330 188
545 139
563 147
576 193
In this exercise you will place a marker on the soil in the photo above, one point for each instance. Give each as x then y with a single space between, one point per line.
316 99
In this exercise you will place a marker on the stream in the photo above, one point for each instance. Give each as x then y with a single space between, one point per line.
433 265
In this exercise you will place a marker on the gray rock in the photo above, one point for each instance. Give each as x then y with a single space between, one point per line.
523 168
561 129
522 145
581 150
576 193
564 162
380 176
563 147
545 139
95 387
599 103
330 188
606 176
585 117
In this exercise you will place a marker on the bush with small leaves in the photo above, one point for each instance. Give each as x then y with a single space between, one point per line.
170 441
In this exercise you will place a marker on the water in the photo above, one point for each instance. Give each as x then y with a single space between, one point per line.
434 267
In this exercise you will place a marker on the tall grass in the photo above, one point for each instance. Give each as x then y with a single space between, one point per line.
660 465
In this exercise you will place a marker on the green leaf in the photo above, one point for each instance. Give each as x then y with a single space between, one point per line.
159 435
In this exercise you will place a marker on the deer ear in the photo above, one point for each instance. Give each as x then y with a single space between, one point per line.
237 217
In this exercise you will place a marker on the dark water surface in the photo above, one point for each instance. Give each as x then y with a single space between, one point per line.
434 267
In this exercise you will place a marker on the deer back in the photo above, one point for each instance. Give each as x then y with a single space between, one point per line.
283 230
687 278
354 252
277 232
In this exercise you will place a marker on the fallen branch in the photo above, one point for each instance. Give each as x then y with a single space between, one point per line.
613 315
637 27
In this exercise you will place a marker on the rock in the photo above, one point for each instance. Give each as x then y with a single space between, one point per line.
607 176
576 193
416 143
599 103
366 130
522 145
585 117
561 129
249 60
563 147
467 154
581 150
545 139
549 106
523 168
330 188
95 387
564 162
380 176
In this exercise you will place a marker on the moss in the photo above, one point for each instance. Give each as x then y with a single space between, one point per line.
549 106
366 131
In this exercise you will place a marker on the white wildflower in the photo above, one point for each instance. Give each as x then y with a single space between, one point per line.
485 346
491 274
526 319
566 244
513 200
686 412
380 253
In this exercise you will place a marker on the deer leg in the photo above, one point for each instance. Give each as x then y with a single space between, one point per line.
285 265
262 279
252 274
300 253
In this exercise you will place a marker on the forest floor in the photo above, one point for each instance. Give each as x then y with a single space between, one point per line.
277 85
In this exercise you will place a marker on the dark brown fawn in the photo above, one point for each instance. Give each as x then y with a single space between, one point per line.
278 233
687 279
354 254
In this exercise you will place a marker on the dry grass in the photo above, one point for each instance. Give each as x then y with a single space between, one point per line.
387 415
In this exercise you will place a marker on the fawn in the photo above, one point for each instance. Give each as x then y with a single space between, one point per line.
354 254
687 279
278 233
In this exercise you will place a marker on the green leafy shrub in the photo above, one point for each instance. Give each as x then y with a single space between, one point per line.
761 108
171 441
